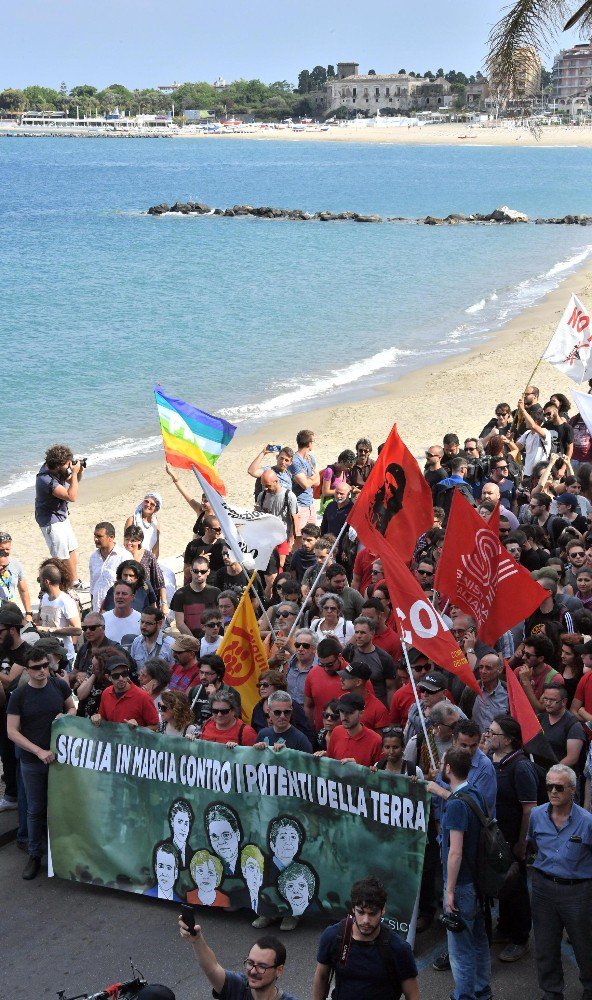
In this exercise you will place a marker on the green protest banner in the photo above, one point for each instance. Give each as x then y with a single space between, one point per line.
277 832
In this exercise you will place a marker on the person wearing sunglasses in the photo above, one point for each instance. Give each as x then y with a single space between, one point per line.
30 712
146 517
190 601
269 682
123 701
300 665
281 733
225 725
332 621
362 466
330 718
208 544
12 577
263 967
433 472
561 834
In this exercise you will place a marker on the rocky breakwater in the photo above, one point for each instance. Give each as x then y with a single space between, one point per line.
500 216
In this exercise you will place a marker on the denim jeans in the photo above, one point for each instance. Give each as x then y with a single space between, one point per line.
470 959
34 775
21 798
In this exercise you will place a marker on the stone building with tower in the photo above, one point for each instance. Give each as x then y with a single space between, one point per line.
372 92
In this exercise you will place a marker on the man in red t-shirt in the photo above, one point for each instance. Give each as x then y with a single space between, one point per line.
185 673
352 742
354 679
323 681
403 698
385 636
581 705
123 701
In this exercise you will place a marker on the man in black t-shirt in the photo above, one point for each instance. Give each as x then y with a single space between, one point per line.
562 434
30 713
209 545
190 602
433 472
13 655
563 730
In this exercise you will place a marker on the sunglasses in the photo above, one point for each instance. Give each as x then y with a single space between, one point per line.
221 711
218 531
363 451
163 708
331 715
90 628
200 572
284 614
303 645
264 684
330 607
211 624
44 665
553 787
425 572
281 711
120 673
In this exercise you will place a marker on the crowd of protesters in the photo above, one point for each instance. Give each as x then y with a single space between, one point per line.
337 684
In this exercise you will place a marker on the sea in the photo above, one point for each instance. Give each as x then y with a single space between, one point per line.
250 318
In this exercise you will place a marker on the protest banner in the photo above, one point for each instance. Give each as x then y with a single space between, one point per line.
279 833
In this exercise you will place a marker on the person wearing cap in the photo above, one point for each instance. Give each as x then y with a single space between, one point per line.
568 509
432 689
30 712
354 678
12 577
123 701
350 741
185 675
56 654
404 697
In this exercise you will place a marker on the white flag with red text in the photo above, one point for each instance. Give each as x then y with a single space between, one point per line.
570 349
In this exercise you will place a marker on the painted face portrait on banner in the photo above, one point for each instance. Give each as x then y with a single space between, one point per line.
207 873
224 834
285 836
297 884
252 866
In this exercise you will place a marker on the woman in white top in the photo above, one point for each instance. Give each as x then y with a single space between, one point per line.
332 621
176 717
145 517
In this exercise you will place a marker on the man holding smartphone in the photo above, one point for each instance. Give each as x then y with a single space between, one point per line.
276 458
263 967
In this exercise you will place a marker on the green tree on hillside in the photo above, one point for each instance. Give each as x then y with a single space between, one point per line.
12 100
304 82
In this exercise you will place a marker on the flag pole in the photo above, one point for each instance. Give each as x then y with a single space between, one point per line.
260 602
418 703
316 580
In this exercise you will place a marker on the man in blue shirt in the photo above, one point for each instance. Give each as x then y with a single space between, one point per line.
305 475
281 733
468 947
561 833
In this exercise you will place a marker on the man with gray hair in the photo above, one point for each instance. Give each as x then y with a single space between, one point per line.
495 698
561 834
281 733
301 663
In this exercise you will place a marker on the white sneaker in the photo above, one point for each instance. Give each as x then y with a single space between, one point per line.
7 804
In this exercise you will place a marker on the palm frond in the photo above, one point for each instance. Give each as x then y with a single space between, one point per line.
527 24
583 15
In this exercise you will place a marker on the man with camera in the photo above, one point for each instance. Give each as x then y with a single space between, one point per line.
56 486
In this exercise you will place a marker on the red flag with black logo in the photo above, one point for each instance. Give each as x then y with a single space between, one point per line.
395 504
479 575
418 623
533 737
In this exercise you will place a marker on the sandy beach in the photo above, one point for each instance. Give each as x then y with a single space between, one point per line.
445 134
456 395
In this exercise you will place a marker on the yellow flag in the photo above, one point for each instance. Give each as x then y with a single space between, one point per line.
243 654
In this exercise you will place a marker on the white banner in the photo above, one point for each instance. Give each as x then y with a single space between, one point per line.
252 535
571 347
584 405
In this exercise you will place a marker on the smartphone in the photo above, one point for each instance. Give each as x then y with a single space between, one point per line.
274 447
188 914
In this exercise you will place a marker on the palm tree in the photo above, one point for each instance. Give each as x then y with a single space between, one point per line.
528 25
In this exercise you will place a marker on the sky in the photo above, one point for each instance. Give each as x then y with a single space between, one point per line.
147 43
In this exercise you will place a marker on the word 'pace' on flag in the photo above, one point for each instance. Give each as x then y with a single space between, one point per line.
476 572
570 349
251 534
243 653
395 504
192 437
418 623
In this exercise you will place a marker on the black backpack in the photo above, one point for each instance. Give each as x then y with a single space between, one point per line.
495 860
443 497
339 952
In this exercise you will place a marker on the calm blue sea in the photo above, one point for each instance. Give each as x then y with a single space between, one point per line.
250 318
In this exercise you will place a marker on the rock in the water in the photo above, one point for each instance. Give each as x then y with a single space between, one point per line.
159 209
367 218
430 220
505 214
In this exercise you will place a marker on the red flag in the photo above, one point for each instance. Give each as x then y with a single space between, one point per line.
418 623
479 575
396 502
533 738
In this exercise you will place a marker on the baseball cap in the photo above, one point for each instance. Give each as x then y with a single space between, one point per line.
186 644
11 616
358 669
116 661
51 644
433 682
351 702
569 499
415 654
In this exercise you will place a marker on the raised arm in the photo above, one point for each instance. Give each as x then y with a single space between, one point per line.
256 468
193 503
208 962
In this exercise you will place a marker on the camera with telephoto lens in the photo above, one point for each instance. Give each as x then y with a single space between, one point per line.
453 922
82 461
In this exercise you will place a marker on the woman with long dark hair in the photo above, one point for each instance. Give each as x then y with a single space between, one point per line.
131 572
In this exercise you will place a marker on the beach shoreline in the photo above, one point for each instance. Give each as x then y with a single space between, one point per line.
458 394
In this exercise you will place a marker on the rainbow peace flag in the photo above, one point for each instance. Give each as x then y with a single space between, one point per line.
192 437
